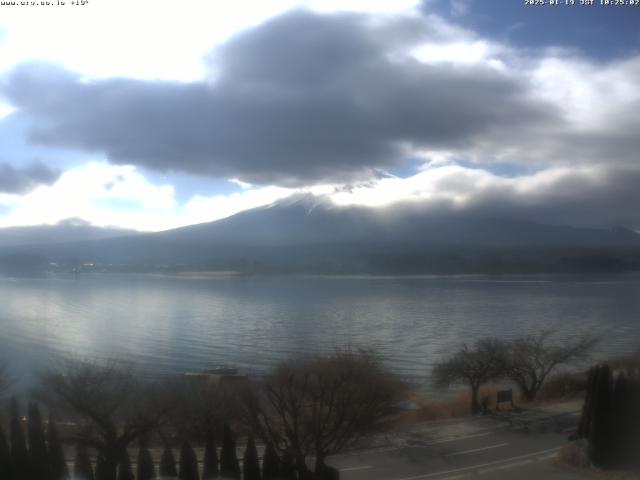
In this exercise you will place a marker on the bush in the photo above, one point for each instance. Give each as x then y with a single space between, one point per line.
563 386
571 454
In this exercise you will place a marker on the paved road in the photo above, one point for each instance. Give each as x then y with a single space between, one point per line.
518 447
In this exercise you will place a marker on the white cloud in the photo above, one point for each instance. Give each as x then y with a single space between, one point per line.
147 39
458 186
103 194
167 39
112 195
371 6
6 110
205 209
108 195
593 96
455 52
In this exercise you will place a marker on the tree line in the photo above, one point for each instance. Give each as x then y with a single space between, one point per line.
39 455
610 421
526 362
304 411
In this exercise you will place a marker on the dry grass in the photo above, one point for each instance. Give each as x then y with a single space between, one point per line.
573 456
618 476
562 387
429 409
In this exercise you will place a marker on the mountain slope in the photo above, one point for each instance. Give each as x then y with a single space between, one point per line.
309 234
70 230
309 220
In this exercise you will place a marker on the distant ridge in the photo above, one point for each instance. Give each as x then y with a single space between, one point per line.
69 230
312 235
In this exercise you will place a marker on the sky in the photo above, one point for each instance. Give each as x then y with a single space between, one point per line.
155 114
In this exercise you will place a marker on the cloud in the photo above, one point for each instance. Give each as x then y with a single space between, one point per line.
302 98
325 100
120 196
103 194
589 196
21 180
460 7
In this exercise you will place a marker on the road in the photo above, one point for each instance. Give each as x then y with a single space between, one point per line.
510 446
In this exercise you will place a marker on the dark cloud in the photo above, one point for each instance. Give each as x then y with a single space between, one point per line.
300 99
598 196
21 180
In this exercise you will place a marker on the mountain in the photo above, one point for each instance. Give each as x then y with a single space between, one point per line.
69 230
311 234
309 220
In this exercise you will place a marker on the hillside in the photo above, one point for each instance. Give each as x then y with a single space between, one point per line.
309 234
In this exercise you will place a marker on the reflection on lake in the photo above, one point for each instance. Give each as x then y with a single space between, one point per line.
174 324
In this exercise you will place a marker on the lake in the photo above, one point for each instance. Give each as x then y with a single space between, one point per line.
177 324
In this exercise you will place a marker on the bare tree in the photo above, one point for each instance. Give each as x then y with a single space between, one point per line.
198 408
110 405
474 366
320 405
531 359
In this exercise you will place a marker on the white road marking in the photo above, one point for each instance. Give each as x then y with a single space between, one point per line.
465 452
401 447
482 465
505 467
352 469
456 439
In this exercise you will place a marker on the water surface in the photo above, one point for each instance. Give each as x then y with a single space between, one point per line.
177 324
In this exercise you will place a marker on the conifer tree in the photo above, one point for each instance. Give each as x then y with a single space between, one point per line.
188 463
58 469
635 421
621 414
146 469
5 456
20 466
250 463
82 466
229 465
600 428
125 472
287 468
103 472
270 463
587 407
210 468
37 444
168 464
